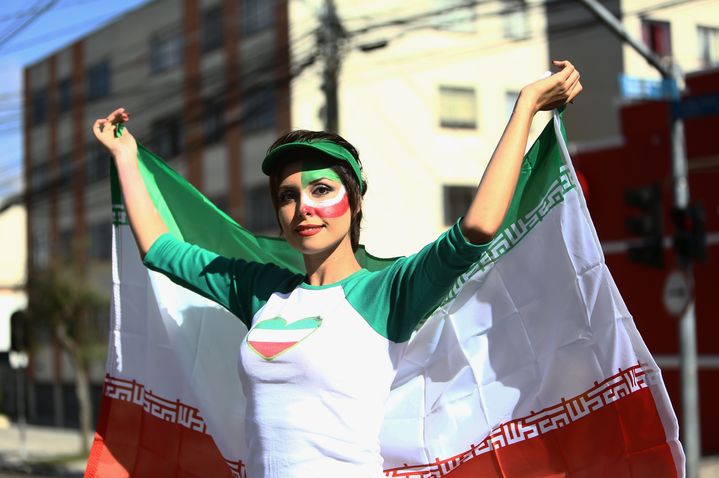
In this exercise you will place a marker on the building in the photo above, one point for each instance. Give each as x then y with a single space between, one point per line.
207 85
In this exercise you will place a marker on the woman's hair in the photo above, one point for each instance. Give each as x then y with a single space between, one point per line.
355 191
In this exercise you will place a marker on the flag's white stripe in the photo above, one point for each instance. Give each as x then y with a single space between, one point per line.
115 350
278 335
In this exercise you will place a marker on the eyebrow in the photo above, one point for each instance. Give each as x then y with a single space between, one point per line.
320 179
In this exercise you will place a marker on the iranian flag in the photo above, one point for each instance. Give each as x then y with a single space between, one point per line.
532 366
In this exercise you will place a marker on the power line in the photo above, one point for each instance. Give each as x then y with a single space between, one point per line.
35 15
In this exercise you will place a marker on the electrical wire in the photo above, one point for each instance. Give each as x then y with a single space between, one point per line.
24 24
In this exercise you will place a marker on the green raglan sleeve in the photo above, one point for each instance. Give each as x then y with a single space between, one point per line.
395 299
242 287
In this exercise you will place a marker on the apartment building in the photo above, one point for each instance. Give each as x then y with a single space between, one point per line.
206 83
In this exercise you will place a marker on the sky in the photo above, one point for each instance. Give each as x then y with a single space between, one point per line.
61 24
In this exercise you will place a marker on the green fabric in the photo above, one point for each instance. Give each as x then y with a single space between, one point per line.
394 300
190 216
242 287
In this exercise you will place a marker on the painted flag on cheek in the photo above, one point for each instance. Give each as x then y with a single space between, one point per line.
532 365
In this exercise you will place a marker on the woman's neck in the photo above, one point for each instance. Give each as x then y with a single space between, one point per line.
331 266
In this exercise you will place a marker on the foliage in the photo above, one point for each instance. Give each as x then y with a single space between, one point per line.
67 306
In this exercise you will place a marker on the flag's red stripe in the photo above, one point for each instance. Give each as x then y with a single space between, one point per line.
270 349
130 442
622 439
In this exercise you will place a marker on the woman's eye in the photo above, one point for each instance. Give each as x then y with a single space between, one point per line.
286 196
321 190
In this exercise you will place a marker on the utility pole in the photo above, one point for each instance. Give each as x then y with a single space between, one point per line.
329 37
690 433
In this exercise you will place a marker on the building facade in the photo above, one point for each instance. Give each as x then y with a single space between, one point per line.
206 83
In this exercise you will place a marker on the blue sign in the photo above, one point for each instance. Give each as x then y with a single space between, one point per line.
633 88
697 106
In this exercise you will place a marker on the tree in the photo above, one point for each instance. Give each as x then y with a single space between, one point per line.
68 307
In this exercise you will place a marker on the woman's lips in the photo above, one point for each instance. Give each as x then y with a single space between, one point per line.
306 231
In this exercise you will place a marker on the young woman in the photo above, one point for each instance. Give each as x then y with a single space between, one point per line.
322 348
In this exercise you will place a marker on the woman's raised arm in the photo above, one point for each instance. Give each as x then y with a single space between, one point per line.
495 191
145 221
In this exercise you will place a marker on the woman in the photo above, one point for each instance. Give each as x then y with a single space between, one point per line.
322 348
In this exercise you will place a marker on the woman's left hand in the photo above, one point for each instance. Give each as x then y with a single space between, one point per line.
554 91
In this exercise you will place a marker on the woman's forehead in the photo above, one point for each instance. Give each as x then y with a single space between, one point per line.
309 170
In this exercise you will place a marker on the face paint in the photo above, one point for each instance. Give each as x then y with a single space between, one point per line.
329 208
334 207
311 173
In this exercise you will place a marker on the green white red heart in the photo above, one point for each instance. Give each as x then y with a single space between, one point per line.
272 337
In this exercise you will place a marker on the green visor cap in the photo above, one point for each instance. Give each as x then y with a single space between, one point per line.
327 149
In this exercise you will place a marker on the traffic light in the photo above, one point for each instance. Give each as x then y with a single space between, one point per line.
648 225
690 240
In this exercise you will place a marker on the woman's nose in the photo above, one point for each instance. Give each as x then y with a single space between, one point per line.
306 210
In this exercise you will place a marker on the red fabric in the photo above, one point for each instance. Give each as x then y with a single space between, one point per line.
131 442
624 439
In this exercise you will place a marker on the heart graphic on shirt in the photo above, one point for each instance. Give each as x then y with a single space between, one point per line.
271 337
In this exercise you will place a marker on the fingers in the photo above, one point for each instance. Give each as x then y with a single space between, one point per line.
99 127
574 92
568 80
566 69
118 116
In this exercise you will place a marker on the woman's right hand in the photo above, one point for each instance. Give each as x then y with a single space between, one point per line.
104 129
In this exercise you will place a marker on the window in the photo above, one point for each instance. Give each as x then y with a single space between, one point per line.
39 107
65 95
213 121
65 242
657 36
455 16
97 162
515 19
257 15
64 178
40 249
456 200
260 109
98 80
165 51
166 139
259 213
457 107
212 29
708 45
100 240
39 178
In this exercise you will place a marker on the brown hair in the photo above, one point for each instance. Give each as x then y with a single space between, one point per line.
355 191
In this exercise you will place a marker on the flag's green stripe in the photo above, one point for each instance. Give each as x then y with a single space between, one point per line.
279 323
542 184
540 169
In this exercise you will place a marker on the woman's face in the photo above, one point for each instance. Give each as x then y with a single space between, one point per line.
313 207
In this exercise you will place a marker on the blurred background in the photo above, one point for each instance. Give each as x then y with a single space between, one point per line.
423 89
